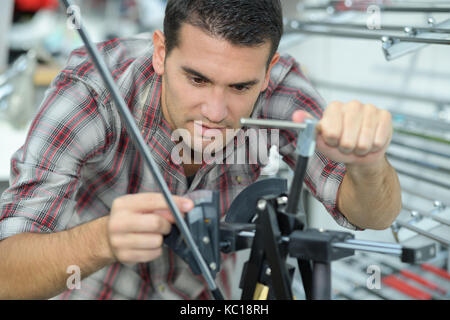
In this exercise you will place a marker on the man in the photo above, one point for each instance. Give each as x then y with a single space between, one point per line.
81 197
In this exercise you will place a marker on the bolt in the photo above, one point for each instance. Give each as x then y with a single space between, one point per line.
410 31
262 204
439 205
282 200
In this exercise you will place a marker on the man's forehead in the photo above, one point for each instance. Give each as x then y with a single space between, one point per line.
192 37
218 60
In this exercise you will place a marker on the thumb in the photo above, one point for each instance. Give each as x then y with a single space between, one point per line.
300 116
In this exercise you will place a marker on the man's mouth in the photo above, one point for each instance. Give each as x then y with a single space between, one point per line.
207 130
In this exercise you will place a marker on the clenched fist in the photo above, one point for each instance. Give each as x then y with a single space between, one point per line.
352 133
137 224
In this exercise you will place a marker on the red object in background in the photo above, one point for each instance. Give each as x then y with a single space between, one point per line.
35 5
438 271
422 281
404 287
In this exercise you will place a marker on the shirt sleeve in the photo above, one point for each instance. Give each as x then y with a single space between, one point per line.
68 131
323 176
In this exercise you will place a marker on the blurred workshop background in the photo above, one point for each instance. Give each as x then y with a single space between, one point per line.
394 54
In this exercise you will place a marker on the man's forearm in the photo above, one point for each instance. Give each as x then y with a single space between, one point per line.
370 197
34 266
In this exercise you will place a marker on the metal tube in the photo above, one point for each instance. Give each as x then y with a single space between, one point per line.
380 92
421 195
139 142
396 252
362 245
383 8
368 36
420 163
275 124
427 234
415 176
427 215
364 26
321 281
427 151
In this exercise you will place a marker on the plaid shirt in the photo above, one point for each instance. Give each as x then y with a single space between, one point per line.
78 158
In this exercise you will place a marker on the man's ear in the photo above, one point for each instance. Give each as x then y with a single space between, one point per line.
275 59
159 52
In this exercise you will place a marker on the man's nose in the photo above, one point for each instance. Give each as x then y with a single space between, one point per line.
215 108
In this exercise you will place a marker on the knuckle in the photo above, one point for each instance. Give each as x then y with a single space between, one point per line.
347 145
158 241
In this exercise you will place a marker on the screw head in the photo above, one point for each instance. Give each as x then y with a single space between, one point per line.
282 200
205 240
213 266
268 271
262 204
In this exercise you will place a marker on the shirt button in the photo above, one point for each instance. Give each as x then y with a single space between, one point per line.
161 288
239 179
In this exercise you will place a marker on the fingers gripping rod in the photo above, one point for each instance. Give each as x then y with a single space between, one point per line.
139 142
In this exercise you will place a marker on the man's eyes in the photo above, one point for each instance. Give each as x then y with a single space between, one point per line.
197 81
241 88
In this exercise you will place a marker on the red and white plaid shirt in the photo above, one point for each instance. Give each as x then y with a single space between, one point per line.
78 158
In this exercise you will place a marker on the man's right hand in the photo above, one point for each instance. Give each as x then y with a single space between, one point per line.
137 224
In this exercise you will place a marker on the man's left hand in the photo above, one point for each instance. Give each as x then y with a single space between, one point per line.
352 133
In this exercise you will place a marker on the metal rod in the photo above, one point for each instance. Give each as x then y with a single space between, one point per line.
269 123
421 195
362 245
421 163
427 151
425 233
364 26
427 215
383 8
422 179
369 36
381 92
139 142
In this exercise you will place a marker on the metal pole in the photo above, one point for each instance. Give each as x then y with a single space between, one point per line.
321 281
139 142
427 234
270 123
364 26
368 36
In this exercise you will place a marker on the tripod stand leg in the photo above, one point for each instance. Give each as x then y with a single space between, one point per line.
321 281
305 269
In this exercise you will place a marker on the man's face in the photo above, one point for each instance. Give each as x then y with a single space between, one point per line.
209 83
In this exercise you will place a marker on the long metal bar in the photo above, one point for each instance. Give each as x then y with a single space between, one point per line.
270 123
424 196
423 179
380 92
368 36
422 232
382 8
427 215
364 26
362 245
420 163
139 142
427 151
